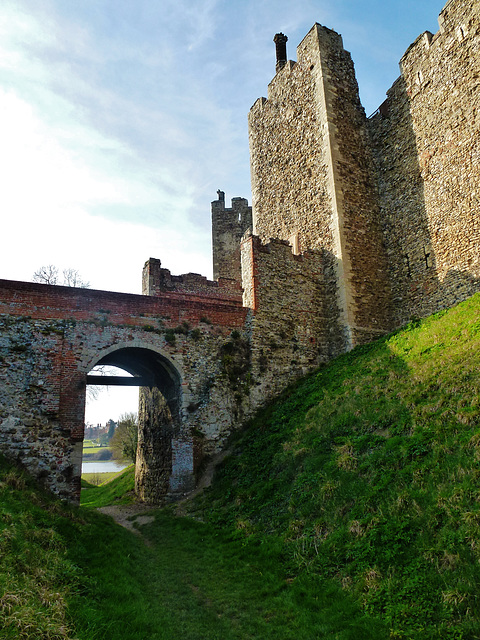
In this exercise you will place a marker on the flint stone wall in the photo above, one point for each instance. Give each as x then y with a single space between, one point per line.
293 321
426 141
312 178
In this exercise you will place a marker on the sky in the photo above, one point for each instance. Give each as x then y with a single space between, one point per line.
120 119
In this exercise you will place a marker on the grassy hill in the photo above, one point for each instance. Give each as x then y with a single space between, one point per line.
368 474
69 573
348 510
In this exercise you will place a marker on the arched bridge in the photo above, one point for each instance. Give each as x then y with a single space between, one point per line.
171 343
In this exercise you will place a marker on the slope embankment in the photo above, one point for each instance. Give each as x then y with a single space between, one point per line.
368 474
349 509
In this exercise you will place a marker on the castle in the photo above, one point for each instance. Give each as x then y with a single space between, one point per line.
357 225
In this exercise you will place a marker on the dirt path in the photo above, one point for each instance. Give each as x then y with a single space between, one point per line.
129 515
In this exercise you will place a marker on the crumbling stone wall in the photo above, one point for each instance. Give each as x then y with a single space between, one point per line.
157 281
426 138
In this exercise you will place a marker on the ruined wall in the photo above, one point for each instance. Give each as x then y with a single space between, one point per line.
228 227
51 337
312 180
157 281
427 150
293 323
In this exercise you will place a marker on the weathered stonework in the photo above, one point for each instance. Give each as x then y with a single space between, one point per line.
312 178
293 324
426 141
359 225
51 337
228 227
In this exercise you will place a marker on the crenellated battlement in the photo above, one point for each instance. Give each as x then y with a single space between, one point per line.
426 146
156 281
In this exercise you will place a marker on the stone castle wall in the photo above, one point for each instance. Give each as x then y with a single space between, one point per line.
228 227
312 177
293 324
426 140
157 281
393 200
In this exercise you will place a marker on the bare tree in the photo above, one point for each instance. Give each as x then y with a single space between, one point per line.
71 278
46 275
50 275
94 390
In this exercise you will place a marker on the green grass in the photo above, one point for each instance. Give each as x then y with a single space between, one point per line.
368 472
70 572
95 449
99 478
348 510
119 489
91 447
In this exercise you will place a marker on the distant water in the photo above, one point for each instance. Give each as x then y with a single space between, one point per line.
103 466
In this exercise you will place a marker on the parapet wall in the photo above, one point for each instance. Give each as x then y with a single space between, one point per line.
426 144
157 281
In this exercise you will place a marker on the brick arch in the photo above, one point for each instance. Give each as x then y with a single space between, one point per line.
89 361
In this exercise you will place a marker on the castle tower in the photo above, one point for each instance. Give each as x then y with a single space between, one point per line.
312 177
228 227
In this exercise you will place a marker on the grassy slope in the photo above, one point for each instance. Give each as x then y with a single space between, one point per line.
349 510
368 474
116 489
72 573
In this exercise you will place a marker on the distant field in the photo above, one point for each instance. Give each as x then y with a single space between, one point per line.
100 478
92 447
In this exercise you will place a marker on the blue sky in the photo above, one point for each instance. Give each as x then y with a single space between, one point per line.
121 118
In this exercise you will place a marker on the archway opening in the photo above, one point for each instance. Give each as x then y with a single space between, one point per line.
158 404
111 425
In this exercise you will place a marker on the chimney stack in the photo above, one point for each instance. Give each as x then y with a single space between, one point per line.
280 41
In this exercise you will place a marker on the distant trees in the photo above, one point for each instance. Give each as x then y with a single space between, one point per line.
111 429
50 274
124 440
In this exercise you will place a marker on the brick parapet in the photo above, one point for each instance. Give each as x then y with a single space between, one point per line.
67 303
